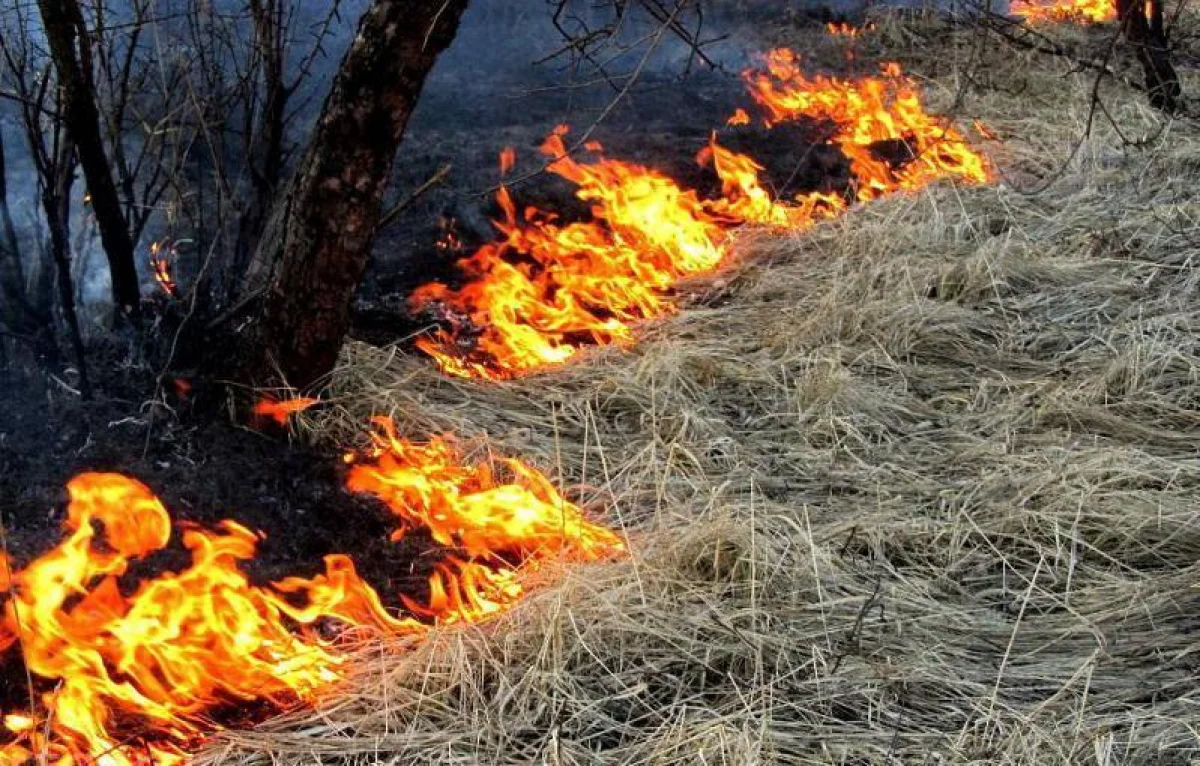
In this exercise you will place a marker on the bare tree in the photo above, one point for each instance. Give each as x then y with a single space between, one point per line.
16 313
67 35
53 156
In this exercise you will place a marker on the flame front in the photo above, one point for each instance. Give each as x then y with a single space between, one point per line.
547 289
123 679
1086 11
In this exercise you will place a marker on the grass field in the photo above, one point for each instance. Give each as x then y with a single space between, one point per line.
919 486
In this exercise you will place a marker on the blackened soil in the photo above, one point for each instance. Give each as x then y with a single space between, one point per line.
206 466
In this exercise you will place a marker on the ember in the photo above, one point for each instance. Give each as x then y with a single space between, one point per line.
281 410
133 679
548 289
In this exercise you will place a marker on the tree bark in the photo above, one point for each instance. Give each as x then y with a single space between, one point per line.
14 308
67 35
316 244
1149 40
265 138
56 203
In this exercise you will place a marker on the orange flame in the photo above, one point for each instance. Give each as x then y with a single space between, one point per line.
739 117
846 29
586 282
1079 11
869 113
547 289
508 159
162 253
281 410
135 679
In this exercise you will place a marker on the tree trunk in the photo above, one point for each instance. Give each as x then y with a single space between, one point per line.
67 35
18 314
315 246
265 139
1149 40
14 307
56 203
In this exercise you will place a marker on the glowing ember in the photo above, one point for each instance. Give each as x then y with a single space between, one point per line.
135 679
547 288
281 410
1086 11
449 241
162 253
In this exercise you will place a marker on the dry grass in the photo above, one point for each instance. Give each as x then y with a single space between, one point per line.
918 487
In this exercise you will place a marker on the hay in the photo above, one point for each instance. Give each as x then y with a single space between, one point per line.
917 487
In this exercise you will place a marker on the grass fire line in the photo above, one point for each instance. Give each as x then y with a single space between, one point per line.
546 290
121 679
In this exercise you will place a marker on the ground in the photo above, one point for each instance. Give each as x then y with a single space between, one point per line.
918 486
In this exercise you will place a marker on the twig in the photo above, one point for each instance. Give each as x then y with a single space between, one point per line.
394 212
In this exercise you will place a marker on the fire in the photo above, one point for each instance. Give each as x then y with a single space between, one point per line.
508 159
1087 11
281 410
546 289
869 115
846 29
467 507
162 253
126 678
183 643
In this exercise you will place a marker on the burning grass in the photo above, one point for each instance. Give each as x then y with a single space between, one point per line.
917 486
132 676
546 290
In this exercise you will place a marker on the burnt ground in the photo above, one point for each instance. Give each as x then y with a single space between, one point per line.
204 465
200 455
481 99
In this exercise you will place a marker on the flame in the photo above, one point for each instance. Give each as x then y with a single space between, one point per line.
162 253
1080 11
468 507
182 644
744 200
868 114
546 288
124 679
846 29
508 159
281 410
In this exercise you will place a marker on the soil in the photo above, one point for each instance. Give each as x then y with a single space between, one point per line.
464 119
204 465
